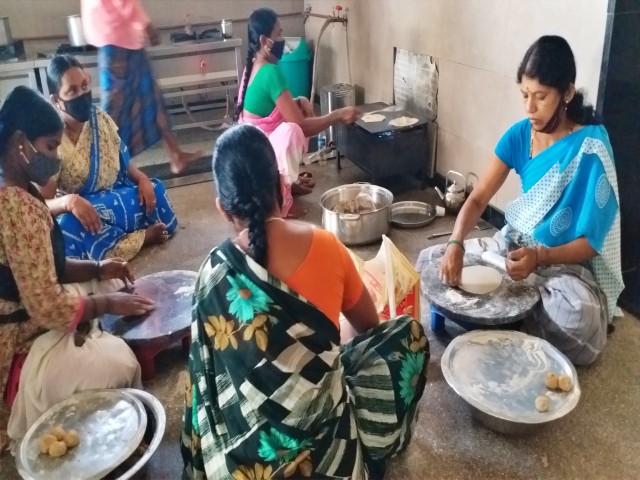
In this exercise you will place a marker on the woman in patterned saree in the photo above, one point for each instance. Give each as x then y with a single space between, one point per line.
273 393
50 345
564 230
108 207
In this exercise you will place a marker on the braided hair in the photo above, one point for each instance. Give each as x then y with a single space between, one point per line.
27 111
551 62
247 182
261 22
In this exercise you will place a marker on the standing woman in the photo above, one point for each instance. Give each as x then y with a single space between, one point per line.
49 346
266 102
564 229
107 206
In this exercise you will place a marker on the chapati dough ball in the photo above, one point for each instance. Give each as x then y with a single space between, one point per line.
57 449
58 432
45 442
542 403
565 383
71 439
551 381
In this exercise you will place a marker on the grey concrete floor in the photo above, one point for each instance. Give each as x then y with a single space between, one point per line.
599 439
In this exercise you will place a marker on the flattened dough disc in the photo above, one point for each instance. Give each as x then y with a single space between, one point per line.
372 117
403 121
479 279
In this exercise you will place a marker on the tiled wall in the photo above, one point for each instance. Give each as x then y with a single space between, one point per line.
46 18
478 44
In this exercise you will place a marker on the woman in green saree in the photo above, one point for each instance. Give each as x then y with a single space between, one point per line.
273 393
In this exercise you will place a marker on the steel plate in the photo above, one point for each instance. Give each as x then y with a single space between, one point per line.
502 372
110 424
412 214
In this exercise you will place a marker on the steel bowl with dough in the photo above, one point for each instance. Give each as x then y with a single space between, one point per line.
479 279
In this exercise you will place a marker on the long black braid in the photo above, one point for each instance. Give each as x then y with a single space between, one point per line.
261 22
247 182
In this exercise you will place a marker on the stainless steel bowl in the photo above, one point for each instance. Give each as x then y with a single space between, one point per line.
357 228
499 373
75 30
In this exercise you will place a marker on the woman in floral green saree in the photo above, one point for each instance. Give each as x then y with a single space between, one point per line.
273 393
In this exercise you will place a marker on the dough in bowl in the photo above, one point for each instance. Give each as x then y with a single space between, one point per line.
479 279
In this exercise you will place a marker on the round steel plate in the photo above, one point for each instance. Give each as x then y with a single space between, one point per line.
412 214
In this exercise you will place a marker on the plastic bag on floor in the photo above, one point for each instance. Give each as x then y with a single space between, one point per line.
392 281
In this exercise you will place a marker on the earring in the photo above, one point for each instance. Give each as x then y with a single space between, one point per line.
566 105
21 148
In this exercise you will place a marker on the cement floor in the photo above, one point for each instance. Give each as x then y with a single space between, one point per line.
599 439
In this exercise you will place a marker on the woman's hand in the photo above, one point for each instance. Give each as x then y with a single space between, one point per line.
521 263
451 265
349 114
127 304
153 34
146 194
85 213
113 268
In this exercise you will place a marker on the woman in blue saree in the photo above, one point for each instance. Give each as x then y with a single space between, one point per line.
272 392
105 206
564 229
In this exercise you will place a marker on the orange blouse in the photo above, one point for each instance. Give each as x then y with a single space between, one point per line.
327 277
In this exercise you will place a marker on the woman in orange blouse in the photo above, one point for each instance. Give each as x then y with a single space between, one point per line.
38 313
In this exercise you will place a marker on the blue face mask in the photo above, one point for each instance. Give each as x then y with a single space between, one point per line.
41 167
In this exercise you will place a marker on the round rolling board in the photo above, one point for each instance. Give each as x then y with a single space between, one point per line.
169 322
110 425
509 303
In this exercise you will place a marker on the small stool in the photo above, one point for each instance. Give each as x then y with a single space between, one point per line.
510 303
167 324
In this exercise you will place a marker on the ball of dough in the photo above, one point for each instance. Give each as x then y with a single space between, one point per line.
71 439
551 381
57 449
542 403
45 442
58 432
565 383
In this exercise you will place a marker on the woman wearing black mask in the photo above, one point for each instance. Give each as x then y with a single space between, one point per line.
108 207
43 356
266 102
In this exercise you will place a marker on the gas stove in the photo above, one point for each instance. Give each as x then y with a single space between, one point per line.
13 52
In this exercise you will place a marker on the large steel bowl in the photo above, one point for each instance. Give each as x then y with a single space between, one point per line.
357 228
499 373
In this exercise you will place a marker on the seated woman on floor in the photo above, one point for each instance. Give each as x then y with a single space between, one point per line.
272 390
108 207
565 227
49 348
266 102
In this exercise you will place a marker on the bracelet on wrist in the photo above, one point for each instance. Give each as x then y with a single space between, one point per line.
458 243
98 270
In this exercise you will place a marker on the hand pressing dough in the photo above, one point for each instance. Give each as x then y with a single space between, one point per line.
373 117
71 439
403 121
542 403
565 383
57 449
479 279
45 442
58 432
551 381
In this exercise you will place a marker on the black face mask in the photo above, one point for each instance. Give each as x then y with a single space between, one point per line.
41 167
80 107
277 49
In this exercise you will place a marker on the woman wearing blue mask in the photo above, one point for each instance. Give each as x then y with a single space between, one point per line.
266 102
48 303
104 204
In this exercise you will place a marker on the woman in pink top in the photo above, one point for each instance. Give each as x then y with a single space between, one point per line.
130 94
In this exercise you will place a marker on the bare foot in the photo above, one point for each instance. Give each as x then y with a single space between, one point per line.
180 160
155 234
298 189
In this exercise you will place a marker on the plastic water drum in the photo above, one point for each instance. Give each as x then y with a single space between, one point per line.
295 66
